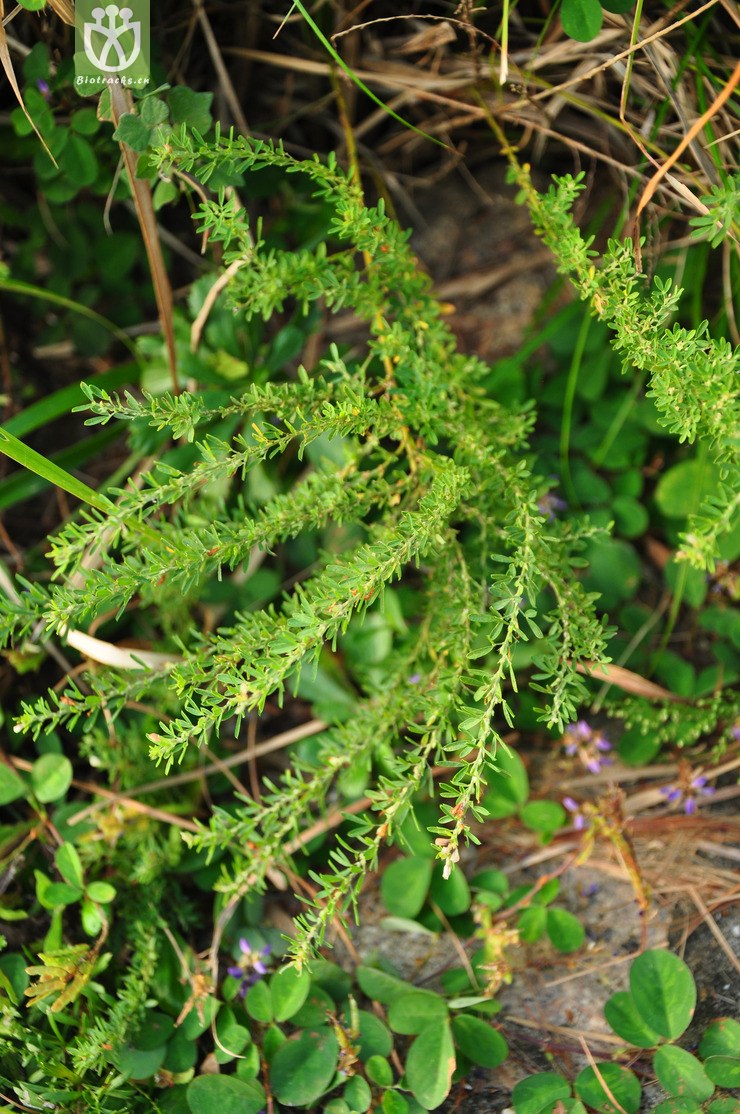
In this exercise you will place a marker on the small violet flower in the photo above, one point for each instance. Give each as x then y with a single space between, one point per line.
252 966
590 746
550 505
43 88
687 789
579 820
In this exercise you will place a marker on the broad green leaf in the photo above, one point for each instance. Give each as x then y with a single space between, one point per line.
136 1063
539 1092
232 1037
679 1106
182 1053
723 1106
581 19
155 1030
315 1009
543 816
60 893
200 1019
51 777
532 923
133 132
191 108
723 1070
375 1038
509 780
430 1063
494 881
303 1068
258 1002
393 1103
663 991
68 861
379 1071
452 894
224 1094
289 989
682 1075
480 1042
357 1094
331 978
623 1016
12 787
379 985
404 886
622 1083
565 930
414 1011
681 490
721 1038
101 892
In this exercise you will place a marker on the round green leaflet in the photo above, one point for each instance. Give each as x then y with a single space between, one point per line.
430 1064
303 1068
663 991
289 989
480 1042
621 1083
539 1092
225 1094
682 1075
621 1013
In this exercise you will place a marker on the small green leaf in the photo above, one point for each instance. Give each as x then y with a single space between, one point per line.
375 1038
685 486
232 1037
198 1020
404 886
430 1063
136 1063
543 816
289 989
480 1042
51 777
623 1016
509 781
581 19
379 1071
258 1002
723 1070
539 1092
622 1083
357 1094
191 108
60 893
682 1075
69 866
11 785
663 991
721 1038
565 930
414 1011
303 1068
532 923
101 892
379 985
225 1094
133 132
155 1031
393 1103
153 111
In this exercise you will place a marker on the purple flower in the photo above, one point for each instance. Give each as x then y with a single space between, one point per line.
43 88
687 789
590 746
251 967
579 820
414 678
550 505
